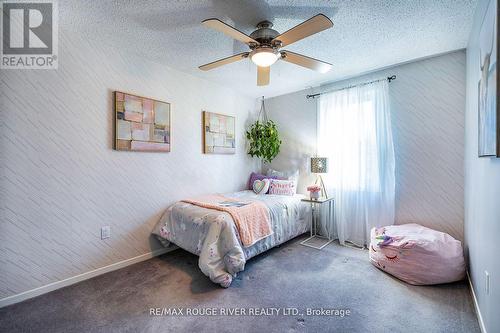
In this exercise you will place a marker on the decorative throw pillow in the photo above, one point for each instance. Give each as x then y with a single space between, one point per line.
272 172
282 187
254 176
289 175
261 186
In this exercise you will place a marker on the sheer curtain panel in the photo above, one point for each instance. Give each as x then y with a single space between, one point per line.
354 132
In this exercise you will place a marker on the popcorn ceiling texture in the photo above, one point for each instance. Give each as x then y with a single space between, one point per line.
367 35
61 181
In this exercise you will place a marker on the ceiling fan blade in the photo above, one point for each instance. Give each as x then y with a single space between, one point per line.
263 75
224 61
228 30
307 28
304 61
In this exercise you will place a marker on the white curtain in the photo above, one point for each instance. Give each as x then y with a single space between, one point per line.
354 132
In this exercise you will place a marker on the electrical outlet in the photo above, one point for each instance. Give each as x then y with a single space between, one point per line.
105 232
487 282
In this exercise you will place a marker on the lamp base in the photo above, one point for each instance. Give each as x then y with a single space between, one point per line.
322 184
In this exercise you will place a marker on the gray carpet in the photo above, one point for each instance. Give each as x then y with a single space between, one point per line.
290 276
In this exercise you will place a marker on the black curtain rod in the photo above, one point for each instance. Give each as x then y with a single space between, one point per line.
389 78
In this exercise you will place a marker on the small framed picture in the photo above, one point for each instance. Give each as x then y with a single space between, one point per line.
218 133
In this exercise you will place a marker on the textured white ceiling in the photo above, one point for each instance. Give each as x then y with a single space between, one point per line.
367 34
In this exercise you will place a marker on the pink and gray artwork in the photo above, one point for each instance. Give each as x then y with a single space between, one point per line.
218 133
142 124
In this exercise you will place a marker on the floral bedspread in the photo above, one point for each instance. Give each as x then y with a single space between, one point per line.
212 234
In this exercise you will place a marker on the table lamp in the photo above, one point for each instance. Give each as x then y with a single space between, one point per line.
319 165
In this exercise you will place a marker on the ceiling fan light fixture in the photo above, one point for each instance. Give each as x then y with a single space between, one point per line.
265 44
264 56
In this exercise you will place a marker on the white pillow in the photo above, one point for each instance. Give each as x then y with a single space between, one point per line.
282 187
272 172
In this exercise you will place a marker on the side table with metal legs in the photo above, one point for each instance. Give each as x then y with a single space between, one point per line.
317 241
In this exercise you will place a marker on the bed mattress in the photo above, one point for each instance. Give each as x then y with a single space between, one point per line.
212 234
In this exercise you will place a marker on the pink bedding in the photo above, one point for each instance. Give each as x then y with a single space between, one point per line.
251 217
416 254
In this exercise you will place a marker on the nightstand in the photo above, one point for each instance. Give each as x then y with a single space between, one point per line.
317 241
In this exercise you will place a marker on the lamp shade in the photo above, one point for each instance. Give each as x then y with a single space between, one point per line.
319 164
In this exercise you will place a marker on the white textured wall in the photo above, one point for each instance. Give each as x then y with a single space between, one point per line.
61 181
296 120
482 196
427 104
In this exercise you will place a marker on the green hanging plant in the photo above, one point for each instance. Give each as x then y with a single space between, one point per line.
263 138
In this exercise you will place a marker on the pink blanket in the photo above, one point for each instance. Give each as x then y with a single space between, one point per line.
250 217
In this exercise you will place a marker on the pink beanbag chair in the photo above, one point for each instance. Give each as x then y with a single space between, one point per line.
416 254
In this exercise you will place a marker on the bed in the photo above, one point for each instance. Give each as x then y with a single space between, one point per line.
212 235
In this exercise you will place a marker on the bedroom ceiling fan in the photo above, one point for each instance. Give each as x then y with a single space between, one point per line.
265 44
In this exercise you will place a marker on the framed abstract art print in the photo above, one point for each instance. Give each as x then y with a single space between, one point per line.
141 123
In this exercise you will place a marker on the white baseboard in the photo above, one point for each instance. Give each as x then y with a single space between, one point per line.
80 277
476 305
